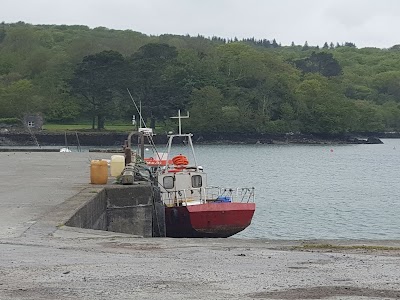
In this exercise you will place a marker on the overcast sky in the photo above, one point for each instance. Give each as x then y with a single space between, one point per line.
367 23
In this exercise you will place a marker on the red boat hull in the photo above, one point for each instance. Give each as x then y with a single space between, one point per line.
215 220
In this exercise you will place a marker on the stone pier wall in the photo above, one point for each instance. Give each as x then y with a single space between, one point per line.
135 209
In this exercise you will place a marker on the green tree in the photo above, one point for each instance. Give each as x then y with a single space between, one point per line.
323 63
322 108
391 114
370 118
305 46
206 110
96 80
2 32
151 80
18 99
349 44
388 83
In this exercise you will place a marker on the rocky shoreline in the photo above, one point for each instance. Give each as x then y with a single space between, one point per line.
117 139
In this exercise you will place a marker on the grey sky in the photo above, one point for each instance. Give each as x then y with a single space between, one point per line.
367 23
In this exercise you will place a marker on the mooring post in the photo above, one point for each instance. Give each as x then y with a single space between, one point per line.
128 155
142 145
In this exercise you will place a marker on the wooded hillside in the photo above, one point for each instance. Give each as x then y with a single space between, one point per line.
77 74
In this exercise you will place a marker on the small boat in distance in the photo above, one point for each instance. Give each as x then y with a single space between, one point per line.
192 208
65 149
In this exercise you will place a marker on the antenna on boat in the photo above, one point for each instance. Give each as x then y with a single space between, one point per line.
138 110
140 113
179 117
148 132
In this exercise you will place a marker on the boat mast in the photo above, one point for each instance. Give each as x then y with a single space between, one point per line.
179 117
188 135
65 139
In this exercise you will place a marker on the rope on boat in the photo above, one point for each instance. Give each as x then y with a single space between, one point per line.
180 160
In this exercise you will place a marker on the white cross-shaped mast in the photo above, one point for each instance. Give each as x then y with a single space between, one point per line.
188 135
179 117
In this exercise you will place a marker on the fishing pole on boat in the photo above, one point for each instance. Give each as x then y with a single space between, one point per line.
137 109
141 120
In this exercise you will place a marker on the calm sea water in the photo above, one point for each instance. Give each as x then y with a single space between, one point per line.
313 191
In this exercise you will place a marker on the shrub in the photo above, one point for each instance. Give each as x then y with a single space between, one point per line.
10 121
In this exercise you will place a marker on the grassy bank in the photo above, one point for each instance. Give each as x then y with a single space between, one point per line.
86 127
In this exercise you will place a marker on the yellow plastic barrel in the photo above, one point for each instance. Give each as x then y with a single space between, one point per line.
117 165
98 172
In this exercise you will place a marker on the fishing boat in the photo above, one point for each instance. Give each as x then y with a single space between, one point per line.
192 208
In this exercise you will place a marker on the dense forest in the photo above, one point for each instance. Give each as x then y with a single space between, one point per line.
77 74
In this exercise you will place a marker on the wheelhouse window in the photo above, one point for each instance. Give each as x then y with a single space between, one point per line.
197 181
168 182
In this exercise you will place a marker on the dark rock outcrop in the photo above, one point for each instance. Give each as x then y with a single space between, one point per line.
373 140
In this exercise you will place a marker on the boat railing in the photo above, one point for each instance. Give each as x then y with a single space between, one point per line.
184 197
223 194
201 195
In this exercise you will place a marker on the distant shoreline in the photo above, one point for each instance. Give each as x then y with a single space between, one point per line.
117 139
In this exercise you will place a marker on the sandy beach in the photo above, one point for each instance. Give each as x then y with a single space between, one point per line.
41 259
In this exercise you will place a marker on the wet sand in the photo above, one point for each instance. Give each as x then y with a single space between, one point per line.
39 259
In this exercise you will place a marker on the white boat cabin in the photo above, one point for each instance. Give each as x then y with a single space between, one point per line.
183 186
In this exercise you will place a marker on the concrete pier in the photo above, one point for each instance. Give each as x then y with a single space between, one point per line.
32 184
132 209
40 258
